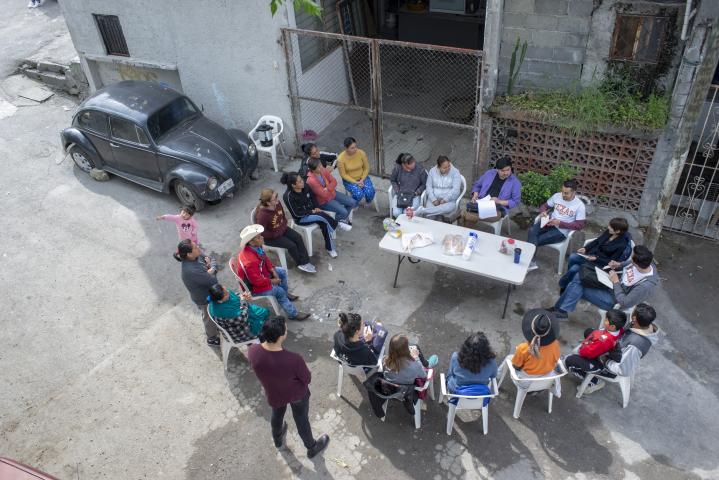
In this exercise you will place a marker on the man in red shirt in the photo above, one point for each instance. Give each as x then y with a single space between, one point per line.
285 379
263 278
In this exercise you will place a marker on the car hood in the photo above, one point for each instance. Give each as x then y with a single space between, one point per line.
207 143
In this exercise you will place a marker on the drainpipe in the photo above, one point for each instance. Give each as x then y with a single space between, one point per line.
688 15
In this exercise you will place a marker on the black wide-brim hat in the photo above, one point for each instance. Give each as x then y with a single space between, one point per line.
545 320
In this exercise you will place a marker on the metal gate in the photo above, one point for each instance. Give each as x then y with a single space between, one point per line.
694 208
391 96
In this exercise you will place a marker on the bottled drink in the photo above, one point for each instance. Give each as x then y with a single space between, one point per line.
471 243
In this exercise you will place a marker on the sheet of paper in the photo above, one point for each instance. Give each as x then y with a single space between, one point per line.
603 277
543 221
486 208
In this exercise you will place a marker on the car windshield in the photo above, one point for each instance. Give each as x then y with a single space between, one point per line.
170 116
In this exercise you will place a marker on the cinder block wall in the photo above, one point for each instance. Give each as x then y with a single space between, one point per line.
556 32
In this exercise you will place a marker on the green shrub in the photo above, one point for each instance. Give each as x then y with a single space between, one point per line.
537 188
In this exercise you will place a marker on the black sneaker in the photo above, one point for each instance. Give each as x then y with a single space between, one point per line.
560 314
213 341
320 445
281 441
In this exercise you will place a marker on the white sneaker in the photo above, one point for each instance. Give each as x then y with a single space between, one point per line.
332 253
593 387
31 4
307 267
344 226
532 266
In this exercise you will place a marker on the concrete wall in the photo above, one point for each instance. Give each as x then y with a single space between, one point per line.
556 32
228 54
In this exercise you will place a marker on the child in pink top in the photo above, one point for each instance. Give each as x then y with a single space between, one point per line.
185 223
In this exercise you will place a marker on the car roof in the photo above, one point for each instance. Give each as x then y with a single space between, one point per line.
133 99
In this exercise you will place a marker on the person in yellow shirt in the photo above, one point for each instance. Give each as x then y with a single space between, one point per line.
353 166
539 354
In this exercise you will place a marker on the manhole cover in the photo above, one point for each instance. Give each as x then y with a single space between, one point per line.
329 302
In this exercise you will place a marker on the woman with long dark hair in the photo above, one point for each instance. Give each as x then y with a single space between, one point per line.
408 182
303 207
354 170
475 363
404 362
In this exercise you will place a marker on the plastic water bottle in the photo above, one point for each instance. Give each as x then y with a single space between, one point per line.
469 247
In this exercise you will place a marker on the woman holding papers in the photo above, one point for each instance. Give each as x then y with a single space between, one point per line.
613 244
501 185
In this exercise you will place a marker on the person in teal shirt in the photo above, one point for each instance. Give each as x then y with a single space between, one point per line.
241 320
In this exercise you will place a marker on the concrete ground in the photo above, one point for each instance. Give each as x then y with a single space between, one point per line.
105 373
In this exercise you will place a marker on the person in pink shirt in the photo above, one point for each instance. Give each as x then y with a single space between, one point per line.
185 223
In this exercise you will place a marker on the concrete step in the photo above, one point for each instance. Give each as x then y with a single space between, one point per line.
46 66
53 79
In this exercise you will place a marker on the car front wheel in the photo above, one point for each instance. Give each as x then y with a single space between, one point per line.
82 159
187 195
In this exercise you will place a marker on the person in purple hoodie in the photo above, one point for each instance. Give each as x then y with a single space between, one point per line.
502 185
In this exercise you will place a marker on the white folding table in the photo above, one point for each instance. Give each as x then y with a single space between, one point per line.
486 260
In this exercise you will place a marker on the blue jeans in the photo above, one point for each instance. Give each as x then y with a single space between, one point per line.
544 236
341 205
575 264
575 291
327 225
280 293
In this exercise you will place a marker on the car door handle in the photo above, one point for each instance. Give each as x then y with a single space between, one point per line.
114 145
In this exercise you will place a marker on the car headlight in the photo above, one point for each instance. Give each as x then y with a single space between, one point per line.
251 149
212 183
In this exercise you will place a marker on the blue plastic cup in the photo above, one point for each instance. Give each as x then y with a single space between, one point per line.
517 254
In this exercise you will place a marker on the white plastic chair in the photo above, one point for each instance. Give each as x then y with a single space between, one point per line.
428 384
226 342
306 232
625 385
549 382
467 402
560 247
354 370
269 298
277 128
281 252
453 217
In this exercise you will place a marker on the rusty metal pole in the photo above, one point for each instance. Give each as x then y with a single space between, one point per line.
377 106
292 86
705 42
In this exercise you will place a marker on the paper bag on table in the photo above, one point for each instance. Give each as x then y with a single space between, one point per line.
486 208
416 240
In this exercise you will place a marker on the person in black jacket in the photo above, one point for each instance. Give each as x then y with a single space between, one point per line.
613 244
303 207
311 150
356 343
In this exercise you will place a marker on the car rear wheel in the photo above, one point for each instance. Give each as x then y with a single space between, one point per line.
187 195
82 159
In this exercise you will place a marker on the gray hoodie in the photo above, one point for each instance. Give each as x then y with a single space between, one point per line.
631 347
627 297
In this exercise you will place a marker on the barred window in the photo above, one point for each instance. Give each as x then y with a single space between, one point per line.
112 36
638 38
313 49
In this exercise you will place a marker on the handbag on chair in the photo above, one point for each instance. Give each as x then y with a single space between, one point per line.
404 199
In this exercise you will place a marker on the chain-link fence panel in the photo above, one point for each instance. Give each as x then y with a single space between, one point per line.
391 96
425 141
431 82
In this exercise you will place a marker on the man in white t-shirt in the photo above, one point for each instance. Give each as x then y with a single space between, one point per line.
568 213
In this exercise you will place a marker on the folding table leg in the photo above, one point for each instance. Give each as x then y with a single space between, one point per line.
506 300
399 262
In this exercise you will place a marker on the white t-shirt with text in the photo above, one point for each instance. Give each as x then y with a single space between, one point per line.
632 275
566 211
